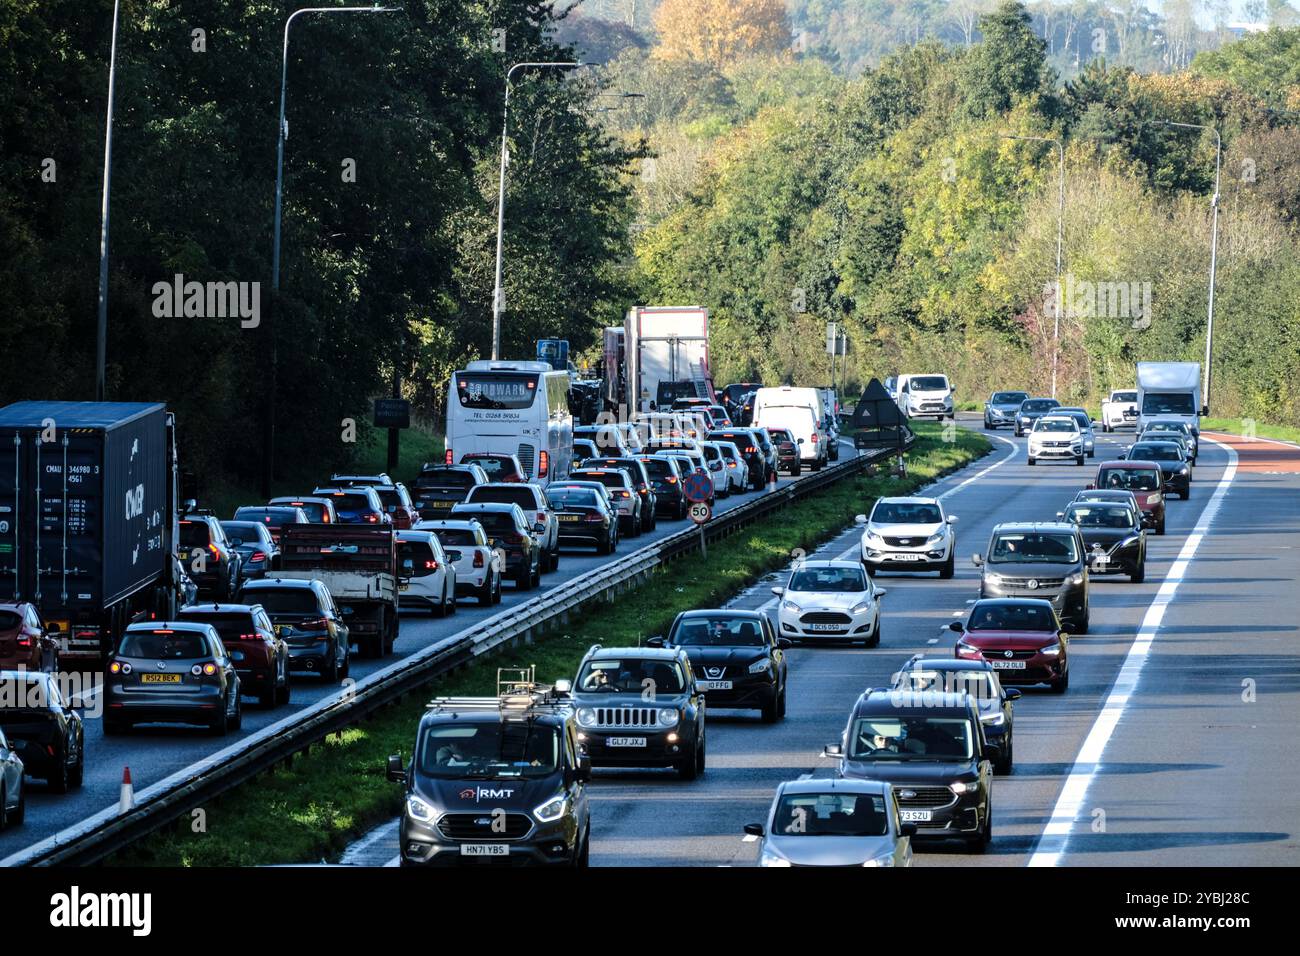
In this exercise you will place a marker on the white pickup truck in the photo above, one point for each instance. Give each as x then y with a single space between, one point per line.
1120 410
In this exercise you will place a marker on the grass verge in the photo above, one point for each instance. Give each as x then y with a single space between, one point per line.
332 795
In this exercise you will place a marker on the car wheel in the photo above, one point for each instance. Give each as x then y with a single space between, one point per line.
771 711
1093 453
987 427
555 559
949 566
238 720
1062 685
524 579
78 773
980 843
496 594
220 724
874 639
689 768
1079 460
59 779
583 856
1187 493
286 689
1019 433
271 696
332 673
1139 573
537 575
1032 460
346 668
1004 766
871 569
1160 528
1082 628
20 811
780 707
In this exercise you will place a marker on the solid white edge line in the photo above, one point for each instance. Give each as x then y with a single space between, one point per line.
1052 842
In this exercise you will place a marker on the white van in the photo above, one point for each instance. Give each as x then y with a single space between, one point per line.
801 422
925 395
512 408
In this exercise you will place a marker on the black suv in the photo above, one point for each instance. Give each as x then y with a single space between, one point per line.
751 449
439 488
645 487
930 745
43 728
640 707
510 534
738 659
496 780
209 558
666 476
977 678
304 616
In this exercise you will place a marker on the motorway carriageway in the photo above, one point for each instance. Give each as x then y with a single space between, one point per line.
1167 766
155 752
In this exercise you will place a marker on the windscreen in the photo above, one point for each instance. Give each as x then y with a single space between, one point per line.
562 498
1012 616
1162 451
1039 405
164 645
455 536
929 383
1130 479
283 600
831 814
494 468
1031 546
1101 516
516 495
493 522
1056 425
231 626
910 738
979 684
496 390
829 580
500 749
1008 398
1168 403
717 630
893 512
194 534
623 675
449 478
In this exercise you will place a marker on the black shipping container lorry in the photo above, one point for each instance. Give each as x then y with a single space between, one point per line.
88 517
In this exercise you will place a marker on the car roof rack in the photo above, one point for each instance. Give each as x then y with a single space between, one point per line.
518 694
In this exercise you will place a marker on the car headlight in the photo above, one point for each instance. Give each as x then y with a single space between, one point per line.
972 787
992 577
935 538
668 717
771 858
791 607
1182 470
417 809
1156 498
1075 578
862 608
760 666
1051 650
994 720
964 648
586 717
552 809
872 538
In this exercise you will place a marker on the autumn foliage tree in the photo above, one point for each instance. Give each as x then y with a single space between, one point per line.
720 31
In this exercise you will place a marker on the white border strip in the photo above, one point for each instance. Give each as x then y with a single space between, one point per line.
1052 842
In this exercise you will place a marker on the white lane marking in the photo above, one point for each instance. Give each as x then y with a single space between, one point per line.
933 640
1052 843
978 475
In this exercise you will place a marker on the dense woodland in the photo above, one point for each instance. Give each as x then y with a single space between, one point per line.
785 165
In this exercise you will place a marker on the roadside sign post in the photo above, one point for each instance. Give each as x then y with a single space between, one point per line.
697 488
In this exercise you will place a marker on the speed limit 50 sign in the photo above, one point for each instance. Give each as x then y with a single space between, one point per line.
700 512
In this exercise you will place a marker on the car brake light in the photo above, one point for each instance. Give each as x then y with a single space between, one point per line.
594 517
24 641
216 553
431 565
209 669
814 439
625 494
541 517
544 462
371 517
671 479
447 457
642 488
478 559
248 637
319 624
258 556
731 464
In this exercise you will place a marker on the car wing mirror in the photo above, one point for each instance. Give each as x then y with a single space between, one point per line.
784 643
1013 694
881 592
956 627
860 519
656 641
754 829
778 591
907 829
951 519
396 770
834 751
977 560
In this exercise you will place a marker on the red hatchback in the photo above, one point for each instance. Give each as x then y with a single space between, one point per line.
261 659
1021 638
24 642
1144 480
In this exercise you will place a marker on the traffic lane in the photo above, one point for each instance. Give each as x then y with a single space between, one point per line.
650 818
1213 720
154 753
1048 726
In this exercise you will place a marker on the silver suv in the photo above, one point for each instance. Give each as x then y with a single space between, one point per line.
1040 559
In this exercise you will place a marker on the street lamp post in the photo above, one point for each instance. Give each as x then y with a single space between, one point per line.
498 295
1060 241
282 132
101 325
1214 252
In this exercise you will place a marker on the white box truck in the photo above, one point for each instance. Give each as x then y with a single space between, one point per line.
666 356
1169 390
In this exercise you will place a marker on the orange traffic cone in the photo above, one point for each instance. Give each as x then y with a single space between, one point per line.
127 800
